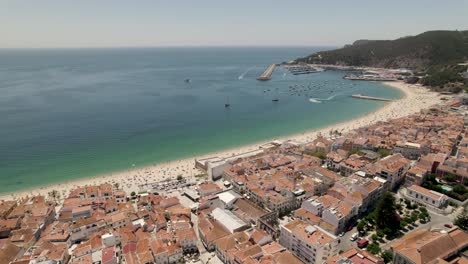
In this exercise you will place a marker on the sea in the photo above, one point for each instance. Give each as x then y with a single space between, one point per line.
72 113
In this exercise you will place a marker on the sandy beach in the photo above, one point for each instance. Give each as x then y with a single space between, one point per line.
415 98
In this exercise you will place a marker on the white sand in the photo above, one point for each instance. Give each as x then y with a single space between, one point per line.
415 99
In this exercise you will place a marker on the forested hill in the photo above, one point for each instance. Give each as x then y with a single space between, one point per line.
415 52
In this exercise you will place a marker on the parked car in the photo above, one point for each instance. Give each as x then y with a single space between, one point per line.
448 225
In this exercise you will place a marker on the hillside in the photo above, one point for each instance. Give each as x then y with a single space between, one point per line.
415 52
435 53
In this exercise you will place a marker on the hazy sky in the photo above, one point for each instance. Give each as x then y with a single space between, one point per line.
118 23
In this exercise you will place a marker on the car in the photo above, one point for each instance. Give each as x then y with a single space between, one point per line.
354 236
448 225
350 228
341 234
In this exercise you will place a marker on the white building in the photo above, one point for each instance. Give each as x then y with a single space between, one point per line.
309 243
427 197
409 150
229 220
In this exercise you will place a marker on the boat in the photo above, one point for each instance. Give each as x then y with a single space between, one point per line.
275 100
187 80
227 104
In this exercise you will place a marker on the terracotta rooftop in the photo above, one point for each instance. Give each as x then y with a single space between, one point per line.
423 246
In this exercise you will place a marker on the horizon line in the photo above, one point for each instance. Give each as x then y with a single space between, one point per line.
172 46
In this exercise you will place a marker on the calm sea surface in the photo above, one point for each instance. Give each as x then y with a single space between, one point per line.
66 114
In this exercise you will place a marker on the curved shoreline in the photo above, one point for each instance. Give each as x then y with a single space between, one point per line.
413 100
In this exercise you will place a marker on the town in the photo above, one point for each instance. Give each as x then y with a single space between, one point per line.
394 191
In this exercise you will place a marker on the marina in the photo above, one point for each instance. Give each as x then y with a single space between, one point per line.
303 69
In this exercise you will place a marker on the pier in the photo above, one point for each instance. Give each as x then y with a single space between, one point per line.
360 96
266 75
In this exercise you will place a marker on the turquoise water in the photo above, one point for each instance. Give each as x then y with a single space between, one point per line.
66 114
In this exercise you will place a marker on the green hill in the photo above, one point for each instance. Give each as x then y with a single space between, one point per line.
415 52
435 53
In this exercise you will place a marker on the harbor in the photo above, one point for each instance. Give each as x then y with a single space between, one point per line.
365 97
266 75
302 69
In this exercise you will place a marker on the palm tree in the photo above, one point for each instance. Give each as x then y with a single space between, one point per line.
54 194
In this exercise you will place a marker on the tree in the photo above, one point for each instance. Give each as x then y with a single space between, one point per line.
375 237
54 194
460 189
116 185
387 256
179 177
132 194
167 216
373 248
383 152
450 178
422 216
462 220
403 224
321 155
386 216
380 233
361 225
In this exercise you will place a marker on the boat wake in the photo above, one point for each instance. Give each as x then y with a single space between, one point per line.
244 73
319 100
314 100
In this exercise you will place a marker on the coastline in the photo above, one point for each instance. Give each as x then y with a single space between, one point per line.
413 100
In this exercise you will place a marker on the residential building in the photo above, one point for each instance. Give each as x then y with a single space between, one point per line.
425 246
391 168
311 244
427 197
355 256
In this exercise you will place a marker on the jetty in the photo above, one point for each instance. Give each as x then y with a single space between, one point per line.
361 96
266 75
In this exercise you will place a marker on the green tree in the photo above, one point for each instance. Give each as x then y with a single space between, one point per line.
383 152
403 224
373 248
460 189
375 237
132 194
320 155
462 220
179 177
386 216
450 178
387 256
361 225
423 209
380 233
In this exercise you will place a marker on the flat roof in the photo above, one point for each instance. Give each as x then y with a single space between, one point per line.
228 197
228 219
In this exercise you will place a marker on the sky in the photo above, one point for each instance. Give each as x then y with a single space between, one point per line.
145 23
